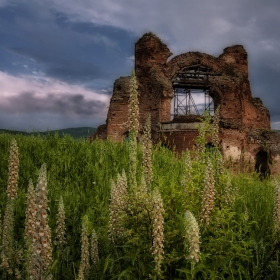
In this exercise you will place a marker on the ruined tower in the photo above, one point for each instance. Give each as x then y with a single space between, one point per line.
166 90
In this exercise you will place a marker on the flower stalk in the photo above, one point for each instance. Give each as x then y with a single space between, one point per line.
60 225
117 207
94 247
84 264
215 127
13 171
41 244
158 230
30 212
133 113
208 202
147 152
192 237
276 212
8 251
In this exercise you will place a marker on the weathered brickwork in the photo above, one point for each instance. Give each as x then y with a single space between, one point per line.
245 133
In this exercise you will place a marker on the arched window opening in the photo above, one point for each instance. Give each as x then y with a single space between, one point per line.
191 91
262 164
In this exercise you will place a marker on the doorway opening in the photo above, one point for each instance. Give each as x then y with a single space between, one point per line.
262 164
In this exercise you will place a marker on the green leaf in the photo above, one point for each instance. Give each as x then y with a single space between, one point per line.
184 270
106 264
126 272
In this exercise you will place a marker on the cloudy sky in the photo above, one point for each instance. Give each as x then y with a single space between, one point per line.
59 58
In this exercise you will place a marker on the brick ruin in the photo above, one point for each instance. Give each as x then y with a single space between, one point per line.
244 134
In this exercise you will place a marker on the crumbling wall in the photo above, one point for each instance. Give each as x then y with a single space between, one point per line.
231 89
155 90
117 117
243 118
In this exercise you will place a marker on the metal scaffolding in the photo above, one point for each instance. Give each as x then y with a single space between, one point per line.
186 83
184 102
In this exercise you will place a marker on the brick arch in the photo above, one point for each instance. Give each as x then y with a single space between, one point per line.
191 58
217 96
185 60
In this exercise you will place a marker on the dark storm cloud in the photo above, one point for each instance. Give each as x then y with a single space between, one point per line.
75 71
73 52
68 105
70 70
264 73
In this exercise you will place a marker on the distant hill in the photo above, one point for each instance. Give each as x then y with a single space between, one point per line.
77 132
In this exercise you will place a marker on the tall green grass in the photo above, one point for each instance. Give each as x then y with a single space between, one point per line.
235 245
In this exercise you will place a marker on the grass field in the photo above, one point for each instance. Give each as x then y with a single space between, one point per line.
236 236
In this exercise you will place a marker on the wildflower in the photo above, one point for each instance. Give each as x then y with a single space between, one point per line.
276 212
208 194
215 127
13 170
60 223
201 141
30 211
117 207
17 274
230 192
41 243
133 128
94 247
8 251
8 236
143 186
84 264
1 227
147 152
158 230
219 162
192 237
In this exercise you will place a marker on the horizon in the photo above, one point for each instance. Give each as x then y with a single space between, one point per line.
34 130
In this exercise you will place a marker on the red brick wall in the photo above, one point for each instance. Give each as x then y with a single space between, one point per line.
244 119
